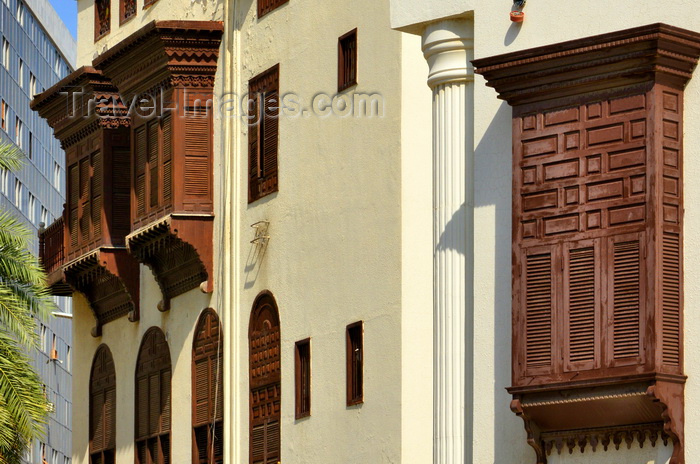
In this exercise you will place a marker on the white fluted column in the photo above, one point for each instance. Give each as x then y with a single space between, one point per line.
448 48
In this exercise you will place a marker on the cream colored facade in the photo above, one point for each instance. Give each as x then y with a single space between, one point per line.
331 258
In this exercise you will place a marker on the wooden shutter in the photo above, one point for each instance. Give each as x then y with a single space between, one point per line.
582 305
626 287
167 160
85 211
539 298
671 293
207 390
263 134
140 170
197 149
153 399
302 378
96 188
153 163
265 381
73 202
102 406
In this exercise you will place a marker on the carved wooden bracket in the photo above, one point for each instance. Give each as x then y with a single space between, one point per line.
178 250
109 279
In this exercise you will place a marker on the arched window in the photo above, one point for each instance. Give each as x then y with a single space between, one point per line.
207 391
103 406
102 18
153 373
265 376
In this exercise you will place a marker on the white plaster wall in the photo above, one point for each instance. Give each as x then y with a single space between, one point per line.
335 250
124 339
191 10
498 434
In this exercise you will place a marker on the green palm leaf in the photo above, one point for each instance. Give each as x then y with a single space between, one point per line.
23 297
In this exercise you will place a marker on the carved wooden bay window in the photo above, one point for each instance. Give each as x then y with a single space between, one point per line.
172 65
103 408
86 248
598 236
127 10
153 394
208 391
265 381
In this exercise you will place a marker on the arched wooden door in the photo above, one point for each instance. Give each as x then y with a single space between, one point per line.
153 375
207 391
265 377
103 407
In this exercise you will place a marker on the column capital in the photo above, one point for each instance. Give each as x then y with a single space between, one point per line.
448 46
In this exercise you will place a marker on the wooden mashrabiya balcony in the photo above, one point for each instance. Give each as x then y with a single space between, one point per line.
86 248
172 64
598 237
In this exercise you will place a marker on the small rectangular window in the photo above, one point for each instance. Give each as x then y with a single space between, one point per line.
19 130
32 84
355 354
20 73
6 54
42 339
302 378
3 116
31 206
347 60
4 181
44 216
56 176
20 13
18 194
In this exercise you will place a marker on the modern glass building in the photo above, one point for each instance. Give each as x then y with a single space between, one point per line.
37 51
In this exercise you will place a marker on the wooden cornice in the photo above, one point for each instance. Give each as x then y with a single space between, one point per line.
72 116
164 54
600 64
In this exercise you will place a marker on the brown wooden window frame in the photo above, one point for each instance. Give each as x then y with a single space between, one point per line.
263 134
347 60
156 441
125 15
265 381
355 352
102 425
302 378
207 350
266 6
98 32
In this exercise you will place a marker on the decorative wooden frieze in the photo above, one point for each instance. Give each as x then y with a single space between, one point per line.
89 253
169 67
598 235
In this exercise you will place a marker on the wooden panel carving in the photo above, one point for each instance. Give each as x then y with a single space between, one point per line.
597 227
103 407
265 381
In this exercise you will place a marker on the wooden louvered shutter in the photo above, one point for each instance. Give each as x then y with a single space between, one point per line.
626 298
671 289
153 398
153 163
253 150
539 298
73 202
270 136
103 406
581 298
140 170
96 194
197 141
207 390
85 212
167 160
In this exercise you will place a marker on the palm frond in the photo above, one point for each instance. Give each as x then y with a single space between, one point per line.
11 158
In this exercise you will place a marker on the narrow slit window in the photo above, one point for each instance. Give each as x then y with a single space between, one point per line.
347 60
355 355
302 378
